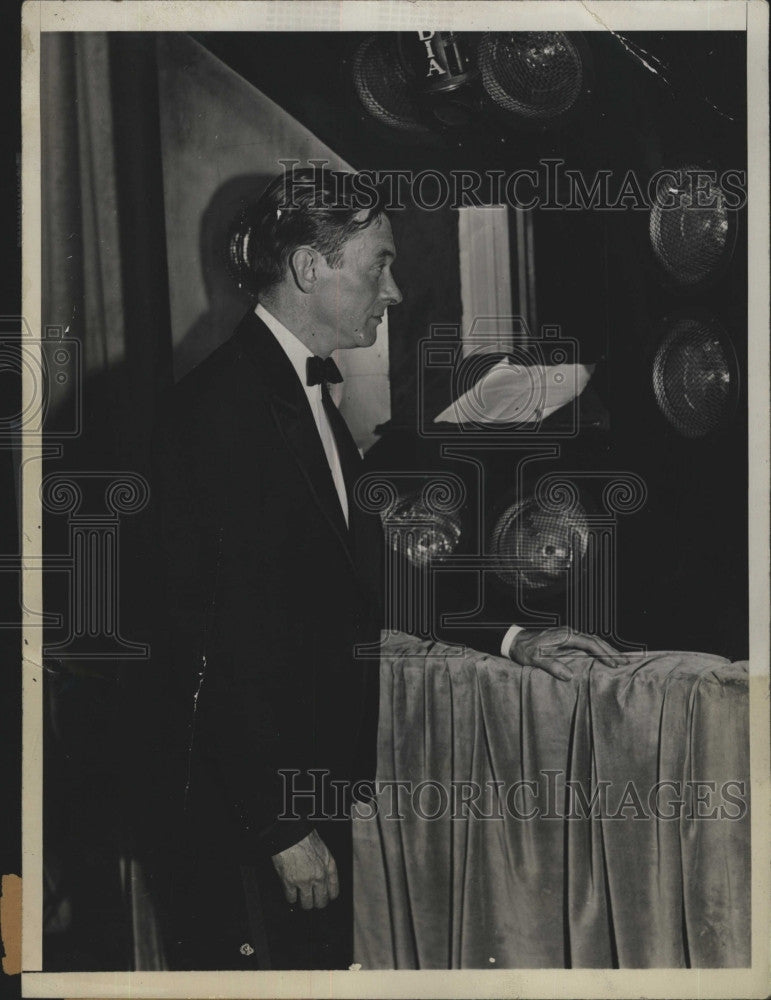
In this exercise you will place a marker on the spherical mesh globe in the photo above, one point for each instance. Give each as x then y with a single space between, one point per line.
381 85
693 377
537 75
691 243
536 546
419 534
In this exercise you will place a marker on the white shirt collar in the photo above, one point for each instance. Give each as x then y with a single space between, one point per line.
294 349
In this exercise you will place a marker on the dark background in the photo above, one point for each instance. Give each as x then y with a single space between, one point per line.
683 558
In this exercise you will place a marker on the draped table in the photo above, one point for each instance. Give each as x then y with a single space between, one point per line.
599 822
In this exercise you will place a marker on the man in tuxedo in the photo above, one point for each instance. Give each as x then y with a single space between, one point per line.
273 581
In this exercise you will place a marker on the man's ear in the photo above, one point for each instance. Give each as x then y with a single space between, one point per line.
304 265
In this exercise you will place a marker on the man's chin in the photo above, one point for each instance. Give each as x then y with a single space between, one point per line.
367 336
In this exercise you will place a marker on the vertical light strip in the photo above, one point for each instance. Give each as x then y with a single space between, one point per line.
521 292
758 391
758 312
524 293
529 288
485 278
31 508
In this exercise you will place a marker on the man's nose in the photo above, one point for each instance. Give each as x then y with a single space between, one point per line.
391 292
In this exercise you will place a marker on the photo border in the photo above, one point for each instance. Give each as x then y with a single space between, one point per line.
40 16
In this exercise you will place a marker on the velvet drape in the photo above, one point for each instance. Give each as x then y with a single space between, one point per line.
661 879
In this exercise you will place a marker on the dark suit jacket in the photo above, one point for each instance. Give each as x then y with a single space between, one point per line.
267 593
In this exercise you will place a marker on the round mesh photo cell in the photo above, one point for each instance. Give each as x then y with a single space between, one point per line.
694 375
536 546
536 75
691 243
420 534
381 85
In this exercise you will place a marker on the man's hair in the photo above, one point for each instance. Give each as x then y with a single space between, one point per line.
311 207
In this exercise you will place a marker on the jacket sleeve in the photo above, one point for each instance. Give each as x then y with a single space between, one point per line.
225 723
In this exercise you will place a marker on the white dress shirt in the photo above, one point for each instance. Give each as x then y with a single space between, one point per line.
298 354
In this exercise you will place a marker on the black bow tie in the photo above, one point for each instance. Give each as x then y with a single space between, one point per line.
321 370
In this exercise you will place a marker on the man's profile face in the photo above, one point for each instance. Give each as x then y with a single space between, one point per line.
350 299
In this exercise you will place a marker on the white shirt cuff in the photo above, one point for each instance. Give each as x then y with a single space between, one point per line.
508 639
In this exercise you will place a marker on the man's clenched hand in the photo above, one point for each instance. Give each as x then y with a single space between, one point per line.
308 872
552 649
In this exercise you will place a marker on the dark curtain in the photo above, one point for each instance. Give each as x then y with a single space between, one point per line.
105 295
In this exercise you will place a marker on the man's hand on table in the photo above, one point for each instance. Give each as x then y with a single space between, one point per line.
308 872
553 649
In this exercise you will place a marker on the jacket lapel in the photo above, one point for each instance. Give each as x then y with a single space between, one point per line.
294 421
